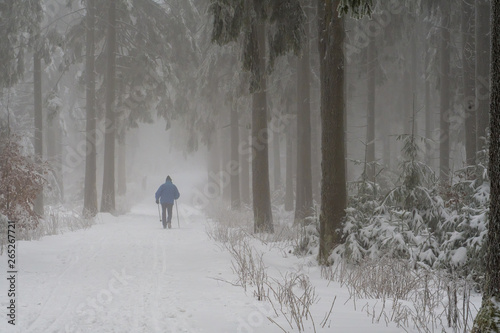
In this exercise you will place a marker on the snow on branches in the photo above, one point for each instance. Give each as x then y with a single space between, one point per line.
419 221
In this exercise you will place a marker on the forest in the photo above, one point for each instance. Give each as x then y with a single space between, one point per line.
368 129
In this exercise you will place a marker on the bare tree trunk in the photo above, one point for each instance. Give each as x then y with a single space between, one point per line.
333 187
482 69
225 147
213 166
413 77
429 128
316 153
489 315
263 218
90 190
289 169
387 148
303 203
108 185
370 115
121 187
244 158
406 101
54 152
445 110
276 161
469 93
235 173
38 142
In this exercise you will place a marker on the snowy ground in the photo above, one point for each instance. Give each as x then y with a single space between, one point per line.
127 274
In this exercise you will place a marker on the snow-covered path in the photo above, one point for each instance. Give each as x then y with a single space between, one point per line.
127 274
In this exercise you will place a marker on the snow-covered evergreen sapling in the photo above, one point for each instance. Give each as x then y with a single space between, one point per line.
465 230
401 225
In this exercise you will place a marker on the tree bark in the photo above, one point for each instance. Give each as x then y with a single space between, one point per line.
263 219
371 58
493 246
469 94
244 158
429 128
445 110
121 167
303 204
316 153
38 119
54 153
489 315
225 148
213 167
333 188
289 169
108 185
482 70
235 174
276 161
90 187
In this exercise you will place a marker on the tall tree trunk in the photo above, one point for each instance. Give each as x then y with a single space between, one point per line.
90 190
316 152
387 148
371 57
333 167
244 158
54 152
445 110
482 69
489 315
235 167
429 128
303 204
469 94
38 142
263 218
413 77
108 184
276 161
213 167
406 101
289 169
225 147
121 165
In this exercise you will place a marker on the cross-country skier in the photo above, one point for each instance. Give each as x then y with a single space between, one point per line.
166 195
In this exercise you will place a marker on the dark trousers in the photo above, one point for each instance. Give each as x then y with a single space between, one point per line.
166 208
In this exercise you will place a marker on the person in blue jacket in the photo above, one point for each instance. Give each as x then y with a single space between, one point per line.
166 195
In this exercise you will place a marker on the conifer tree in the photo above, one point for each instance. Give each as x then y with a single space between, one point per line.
488 318
333 166
248 21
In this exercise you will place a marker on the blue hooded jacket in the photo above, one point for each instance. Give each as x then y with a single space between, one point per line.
167 193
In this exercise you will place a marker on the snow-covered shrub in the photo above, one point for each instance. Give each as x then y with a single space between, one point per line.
462 249
401 225
21 181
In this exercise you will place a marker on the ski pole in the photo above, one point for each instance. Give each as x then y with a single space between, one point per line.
177 209
159 212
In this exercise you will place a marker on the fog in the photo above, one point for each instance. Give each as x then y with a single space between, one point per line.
357 133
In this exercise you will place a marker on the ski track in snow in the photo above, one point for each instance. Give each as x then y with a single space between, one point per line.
125 274
128 274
